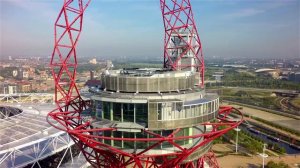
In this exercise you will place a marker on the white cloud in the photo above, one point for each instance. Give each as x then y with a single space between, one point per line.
244 13
39 8
264 6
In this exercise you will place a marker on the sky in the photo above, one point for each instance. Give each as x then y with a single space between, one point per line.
134 28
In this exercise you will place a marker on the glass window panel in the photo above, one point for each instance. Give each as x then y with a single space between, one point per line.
182 132
193 111
128 144
167 111
159 111
106 110
141 144
107 134
141 113
154 142
98 109
117 111
117 134
205 108
166 133
187 111
209 107
128 112
201 109
197 110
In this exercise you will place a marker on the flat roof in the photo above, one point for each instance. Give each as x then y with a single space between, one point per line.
148 72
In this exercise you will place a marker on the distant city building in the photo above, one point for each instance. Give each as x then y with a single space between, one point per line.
109 64
280 65
234 66
92 75
25 74
218 76
21 59
11 89
20 74
274 73
294 77
8 88
93 61
4 65
15 86
15 73
93 83
24 87
297 77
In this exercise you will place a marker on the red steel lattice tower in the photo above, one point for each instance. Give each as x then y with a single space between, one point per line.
63 63
182 46
68 116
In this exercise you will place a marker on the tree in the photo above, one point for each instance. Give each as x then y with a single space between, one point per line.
281 164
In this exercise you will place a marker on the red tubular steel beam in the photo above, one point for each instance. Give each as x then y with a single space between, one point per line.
63 62
67 116
181 37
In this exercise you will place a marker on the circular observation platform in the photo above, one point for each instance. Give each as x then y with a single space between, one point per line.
148 80
166 103
144 128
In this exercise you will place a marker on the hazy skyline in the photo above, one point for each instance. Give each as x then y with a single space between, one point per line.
134 28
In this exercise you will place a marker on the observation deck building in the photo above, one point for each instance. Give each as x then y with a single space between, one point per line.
167 103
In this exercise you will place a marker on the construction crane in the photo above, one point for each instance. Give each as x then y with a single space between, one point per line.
182 52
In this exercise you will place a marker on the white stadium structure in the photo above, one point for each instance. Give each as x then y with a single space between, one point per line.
26 138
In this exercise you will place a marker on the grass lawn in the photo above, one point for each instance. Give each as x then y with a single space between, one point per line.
296 102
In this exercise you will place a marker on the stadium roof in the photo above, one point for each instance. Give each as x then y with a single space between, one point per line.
26 127
265 70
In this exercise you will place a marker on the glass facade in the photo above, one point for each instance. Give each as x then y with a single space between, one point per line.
99 110
138 113
122 112
119 143
141 114
176 110
184 132
106 110
128 113
158 111
167 110
142 144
